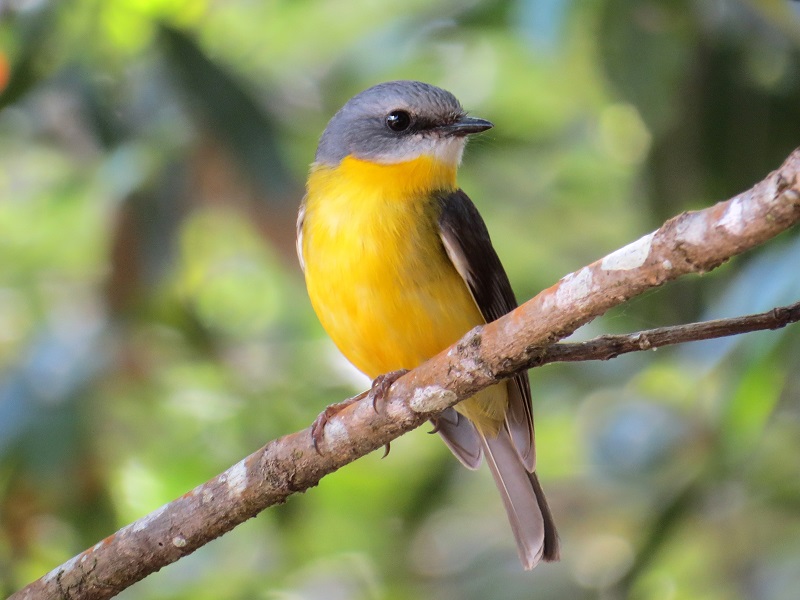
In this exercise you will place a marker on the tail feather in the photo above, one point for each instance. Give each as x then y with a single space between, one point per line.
524 501
551 548
519 420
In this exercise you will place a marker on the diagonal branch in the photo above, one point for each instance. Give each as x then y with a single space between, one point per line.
693 242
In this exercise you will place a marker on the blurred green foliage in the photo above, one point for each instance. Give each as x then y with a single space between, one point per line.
154 327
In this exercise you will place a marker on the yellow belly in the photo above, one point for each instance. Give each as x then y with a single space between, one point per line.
379 278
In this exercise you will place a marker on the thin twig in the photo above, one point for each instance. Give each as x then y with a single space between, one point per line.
606 347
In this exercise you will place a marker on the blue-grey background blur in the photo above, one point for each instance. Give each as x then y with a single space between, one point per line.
154 326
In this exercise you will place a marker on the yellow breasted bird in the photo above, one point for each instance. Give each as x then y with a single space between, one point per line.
399 265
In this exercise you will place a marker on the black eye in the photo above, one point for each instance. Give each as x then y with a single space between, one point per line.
398 120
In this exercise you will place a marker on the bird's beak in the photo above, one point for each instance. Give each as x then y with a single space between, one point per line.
464 126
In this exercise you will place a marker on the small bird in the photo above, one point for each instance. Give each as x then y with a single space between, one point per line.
399 265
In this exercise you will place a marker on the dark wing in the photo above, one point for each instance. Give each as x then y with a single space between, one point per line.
467 243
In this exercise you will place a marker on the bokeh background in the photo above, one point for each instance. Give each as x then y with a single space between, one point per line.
154 327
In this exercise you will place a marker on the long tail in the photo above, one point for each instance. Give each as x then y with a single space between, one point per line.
523 498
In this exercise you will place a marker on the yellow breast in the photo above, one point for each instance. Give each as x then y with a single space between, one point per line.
376 270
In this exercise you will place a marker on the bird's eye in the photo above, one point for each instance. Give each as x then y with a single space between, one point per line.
398 120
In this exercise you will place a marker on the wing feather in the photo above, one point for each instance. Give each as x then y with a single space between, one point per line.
468 245
301 216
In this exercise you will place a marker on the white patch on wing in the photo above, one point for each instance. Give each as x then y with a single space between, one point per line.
461 264
458 259
301 215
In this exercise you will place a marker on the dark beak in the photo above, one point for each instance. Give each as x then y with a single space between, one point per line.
464 126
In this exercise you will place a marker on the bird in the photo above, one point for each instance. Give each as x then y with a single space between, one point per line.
399 265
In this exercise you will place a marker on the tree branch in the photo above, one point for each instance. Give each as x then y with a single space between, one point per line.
606 347
693 242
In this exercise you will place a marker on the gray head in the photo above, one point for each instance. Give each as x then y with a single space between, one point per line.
398 121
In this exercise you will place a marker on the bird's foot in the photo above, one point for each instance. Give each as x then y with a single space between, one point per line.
380 386
318 426
376 394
